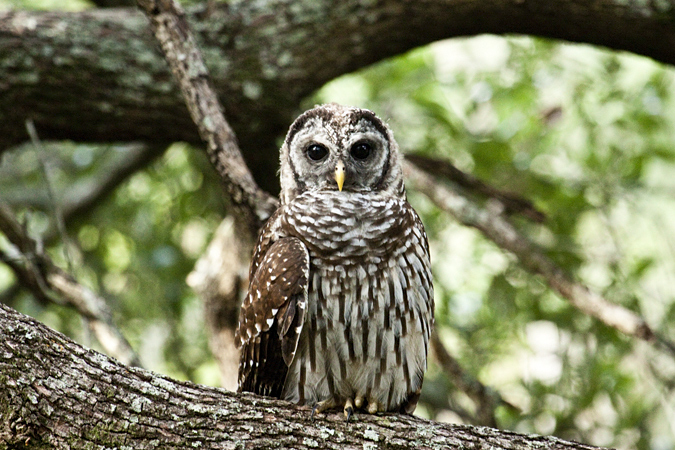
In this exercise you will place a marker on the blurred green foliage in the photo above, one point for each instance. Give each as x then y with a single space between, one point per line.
585 134
136 247
588 136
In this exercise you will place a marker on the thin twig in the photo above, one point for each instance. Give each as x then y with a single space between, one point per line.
25 271
54 203
43 277
496 228
172 31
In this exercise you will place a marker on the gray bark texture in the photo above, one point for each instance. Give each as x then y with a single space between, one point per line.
57 394
97 75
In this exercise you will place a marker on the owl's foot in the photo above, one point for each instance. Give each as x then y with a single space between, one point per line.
350 406
323 406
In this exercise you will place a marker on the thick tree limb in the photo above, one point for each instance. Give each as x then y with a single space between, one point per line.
496 228
38 273
58 394
96 76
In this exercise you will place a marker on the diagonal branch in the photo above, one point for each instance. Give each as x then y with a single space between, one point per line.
84 197
38 273
501 232
171 29
511 203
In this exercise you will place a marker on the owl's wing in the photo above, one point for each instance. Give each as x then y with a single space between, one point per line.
272 315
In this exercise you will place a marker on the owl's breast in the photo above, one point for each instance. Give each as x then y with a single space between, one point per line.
340 226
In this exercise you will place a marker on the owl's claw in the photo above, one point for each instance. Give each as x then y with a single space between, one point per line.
349 408
358 401
322 406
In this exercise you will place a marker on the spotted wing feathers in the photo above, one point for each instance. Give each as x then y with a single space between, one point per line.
272 316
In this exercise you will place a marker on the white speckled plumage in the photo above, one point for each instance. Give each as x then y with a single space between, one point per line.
357 274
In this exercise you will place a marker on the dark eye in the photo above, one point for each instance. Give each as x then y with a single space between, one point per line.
316 152
361 150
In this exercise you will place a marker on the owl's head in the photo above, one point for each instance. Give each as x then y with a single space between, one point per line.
339 148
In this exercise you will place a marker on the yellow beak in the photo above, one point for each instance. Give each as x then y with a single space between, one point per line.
340 174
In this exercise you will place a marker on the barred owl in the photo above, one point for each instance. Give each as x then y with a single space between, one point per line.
340 300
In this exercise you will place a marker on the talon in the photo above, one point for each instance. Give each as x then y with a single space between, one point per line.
322 406
349 409
374 406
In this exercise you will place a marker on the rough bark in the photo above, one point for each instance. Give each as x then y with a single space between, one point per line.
57 394
97 75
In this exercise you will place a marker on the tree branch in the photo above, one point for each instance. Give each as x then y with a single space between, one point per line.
105 61
39 274
171 29
216 278
58 394
496 228
512 203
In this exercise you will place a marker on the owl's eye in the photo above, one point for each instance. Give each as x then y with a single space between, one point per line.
361 150
316 152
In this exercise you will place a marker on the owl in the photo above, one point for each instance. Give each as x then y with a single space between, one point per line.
340 303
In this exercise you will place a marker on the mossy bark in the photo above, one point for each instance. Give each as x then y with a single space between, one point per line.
97 76
56 394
